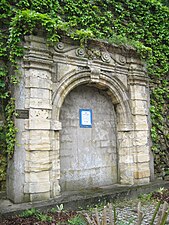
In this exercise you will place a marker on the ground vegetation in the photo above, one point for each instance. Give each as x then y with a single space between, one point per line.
147 209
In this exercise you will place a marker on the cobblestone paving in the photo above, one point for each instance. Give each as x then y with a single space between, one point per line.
127 213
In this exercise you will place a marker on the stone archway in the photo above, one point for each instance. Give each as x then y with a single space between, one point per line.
49 76
117 95
88 156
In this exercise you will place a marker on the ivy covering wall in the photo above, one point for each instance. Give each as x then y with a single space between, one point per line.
141 23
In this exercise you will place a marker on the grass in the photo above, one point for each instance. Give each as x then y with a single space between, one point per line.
78 220
36 213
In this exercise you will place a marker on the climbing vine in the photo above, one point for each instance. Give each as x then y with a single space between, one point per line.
142 23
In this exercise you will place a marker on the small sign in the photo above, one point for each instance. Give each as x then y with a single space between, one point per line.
85 118
22 113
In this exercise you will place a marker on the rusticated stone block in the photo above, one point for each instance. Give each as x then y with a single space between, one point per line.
39 93
42 176
37 167
39 196
38 103
142 174
40 74
139 107
36 187
37 82
38 124
39 113
139 92
141 157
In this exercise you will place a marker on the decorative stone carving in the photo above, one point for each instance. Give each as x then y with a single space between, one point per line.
105 57
122 59
95 74
60 46
80 52
63 48
91 53
119 59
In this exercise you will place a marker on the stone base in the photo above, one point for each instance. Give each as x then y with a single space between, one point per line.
75 200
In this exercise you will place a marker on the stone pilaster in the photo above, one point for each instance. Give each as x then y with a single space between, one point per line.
139 94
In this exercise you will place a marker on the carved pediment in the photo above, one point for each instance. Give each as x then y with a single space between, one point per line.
90 53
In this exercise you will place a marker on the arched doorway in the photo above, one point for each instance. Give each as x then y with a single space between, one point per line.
88 155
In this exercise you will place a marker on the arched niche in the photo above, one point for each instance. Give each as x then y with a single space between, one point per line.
117 94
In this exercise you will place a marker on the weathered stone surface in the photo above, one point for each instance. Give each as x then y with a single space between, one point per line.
39 113
37 82
39 196
139 107
139 92
37 167
141 157
38 103
127 159
37 187
142 174
40 93
55 154
40 74
55 125
85 162
141 138
42 176
38 124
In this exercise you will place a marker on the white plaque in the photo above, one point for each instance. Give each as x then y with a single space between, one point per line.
85 118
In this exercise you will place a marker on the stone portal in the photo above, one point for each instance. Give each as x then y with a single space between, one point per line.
59 148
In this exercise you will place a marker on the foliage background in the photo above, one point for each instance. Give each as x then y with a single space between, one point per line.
142 23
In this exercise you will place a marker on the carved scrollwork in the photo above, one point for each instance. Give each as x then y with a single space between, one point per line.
63 48
60 46
80 52
105 57
122 59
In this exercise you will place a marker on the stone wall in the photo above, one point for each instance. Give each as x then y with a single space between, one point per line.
49 76
88 156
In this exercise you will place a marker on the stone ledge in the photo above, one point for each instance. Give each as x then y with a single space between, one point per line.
75 200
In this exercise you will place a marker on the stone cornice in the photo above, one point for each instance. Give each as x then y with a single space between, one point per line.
94 51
